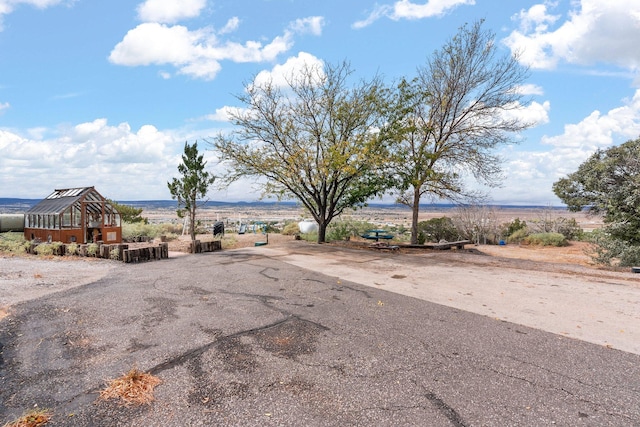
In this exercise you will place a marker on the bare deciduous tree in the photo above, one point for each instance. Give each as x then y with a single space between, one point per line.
452 116
477 223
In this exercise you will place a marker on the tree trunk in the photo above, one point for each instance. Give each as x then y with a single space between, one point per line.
322 232
415 210
192 228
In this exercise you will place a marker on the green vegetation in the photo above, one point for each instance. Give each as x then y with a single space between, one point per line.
515 226
333 146
13 242
44 249
114 254
518 235
608 184
192 186
345 229
129 213
614 252
545 239
134 231
291 228
318 143
519 231
437 229
72 249
92 249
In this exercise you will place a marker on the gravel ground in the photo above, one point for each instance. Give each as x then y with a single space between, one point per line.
317 335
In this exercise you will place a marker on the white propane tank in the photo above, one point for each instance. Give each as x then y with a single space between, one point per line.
308 226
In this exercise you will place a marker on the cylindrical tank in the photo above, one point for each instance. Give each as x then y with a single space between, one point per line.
11 222
308 226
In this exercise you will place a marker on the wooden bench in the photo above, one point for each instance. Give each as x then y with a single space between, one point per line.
384 246
448 245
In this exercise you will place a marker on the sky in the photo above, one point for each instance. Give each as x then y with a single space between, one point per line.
106 93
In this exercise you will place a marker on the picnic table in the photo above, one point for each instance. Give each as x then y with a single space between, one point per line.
377 235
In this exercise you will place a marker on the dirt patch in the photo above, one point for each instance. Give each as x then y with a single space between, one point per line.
575 253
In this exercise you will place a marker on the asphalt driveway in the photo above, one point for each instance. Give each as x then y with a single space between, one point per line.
243 338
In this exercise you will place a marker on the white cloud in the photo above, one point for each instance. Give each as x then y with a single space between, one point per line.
4 106
534 113
530 89
122 163
598 130
281 73
594 32
224 114
8 6
169 11
153 43
127 164
312 25
531 174
536 19
198 53
231 25
405 9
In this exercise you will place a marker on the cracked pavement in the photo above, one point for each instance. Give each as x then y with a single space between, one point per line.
245 337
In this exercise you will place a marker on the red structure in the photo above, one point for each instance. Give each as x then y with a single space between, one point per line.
79 215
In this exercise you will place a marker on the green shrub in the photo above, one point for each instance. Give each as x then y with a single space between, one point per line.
131 231
72 249
169 229
345 229
437 229
613 252
309 237
44 249
569 228
546 239
114 254
272 227
92 249
13 242
518 235
515 225
56 247
291 229
129 213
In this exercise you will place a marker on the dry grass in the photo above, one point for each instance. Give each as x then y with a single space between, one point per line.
133 388
575 253
32 418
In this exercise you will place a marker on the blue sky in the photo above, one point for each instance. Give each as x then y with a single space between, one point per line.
106 93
